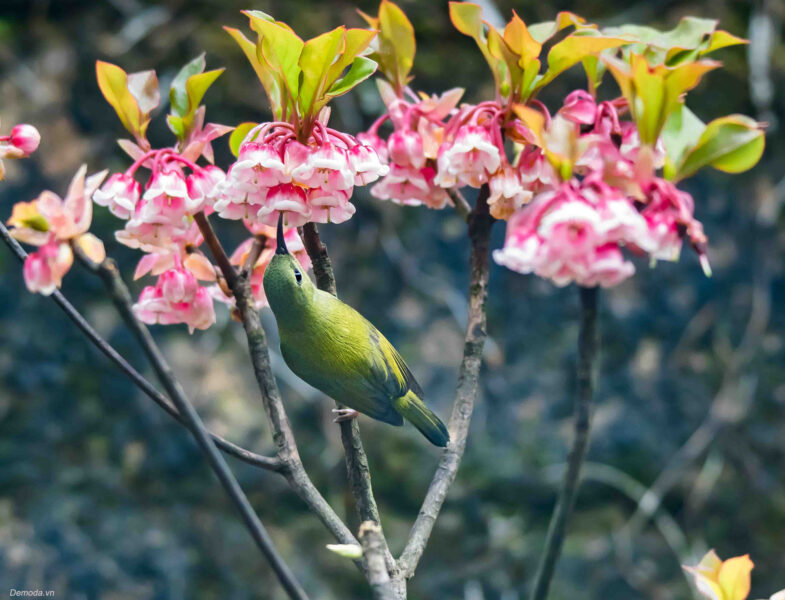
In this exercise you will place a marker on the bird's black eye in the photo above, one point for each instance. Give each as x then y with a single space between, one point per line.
298 276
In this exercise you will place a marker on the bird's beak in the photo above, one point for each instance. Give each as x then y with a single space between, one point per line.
281 247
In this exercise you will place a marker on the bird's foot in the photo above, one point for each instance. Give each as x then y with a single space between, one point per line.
344 414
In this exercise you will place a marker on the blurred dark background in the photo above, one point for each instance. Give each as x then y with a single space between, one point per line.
103 496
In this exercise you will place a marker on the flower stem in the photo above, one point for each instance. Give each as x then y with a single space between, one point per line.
587 353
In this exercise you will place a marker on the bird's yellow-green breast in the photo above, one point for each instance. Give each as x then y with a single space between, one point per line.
334 348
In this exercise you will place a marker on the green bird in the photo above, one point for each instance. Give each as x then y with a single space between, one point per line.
335 349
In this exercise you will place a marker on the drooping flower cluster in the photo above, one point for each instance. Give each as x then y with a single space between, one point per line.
412 148
575 231
275 173
53 224
160 222
569 229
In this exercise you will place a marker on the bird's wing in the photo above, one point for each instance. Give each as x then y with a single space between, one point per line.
391 372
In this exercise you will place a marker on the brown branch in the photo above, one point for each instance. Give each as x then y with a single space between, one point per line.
462 207
286 447
356 460
253 255
117 289
374 548
557 528
480 222
264 462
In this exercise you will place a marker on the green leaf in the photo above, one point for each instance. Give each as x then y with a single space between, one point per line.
197 85
268 78
467 18
572 49
238 135
542 32
178 96
681 132
352 551
314 61
281 48
176 126
113 82
396 42
732 144
362 68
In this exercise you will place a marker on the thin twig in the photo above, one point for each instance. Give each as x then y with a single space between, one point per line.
264 462
286 447
587 352
254 253
480 223
373 545
462 207
356 460
117 289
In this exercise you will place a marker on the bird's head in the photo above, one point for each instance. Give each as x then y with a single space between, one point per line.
286 284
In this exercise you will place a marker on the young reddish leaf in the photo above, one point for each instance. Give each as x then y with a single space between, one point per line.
732 144
520 41
144 87
113 82
238 135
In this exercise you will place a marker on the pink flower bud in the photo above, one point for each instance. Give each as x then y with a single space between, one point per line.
26 138
406 149
579 107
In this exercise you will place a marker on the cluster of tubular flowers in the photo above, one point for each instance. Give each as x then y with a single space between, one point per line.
159 221
575 231
55 224
312 181
20 143
412 148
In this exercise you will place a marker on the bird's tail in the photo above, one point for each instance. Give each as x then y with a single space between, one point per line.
414 410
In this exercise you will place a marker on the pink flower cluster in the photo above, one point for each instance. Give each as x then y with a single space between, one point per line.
412 148
574 232
176 297
567 231
54 224
313 181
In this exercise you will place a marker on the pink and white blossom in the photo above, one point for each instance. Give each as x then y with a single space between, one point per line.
469 159
120 194
176 297
44 269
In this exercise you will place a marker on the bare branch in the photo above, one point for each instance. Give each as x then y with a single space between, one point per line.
117 289
480 223
374 546
462 207
264 462
587 354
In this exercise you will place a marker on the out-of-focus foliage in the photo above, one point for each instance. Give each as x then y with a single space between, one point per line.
104 497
